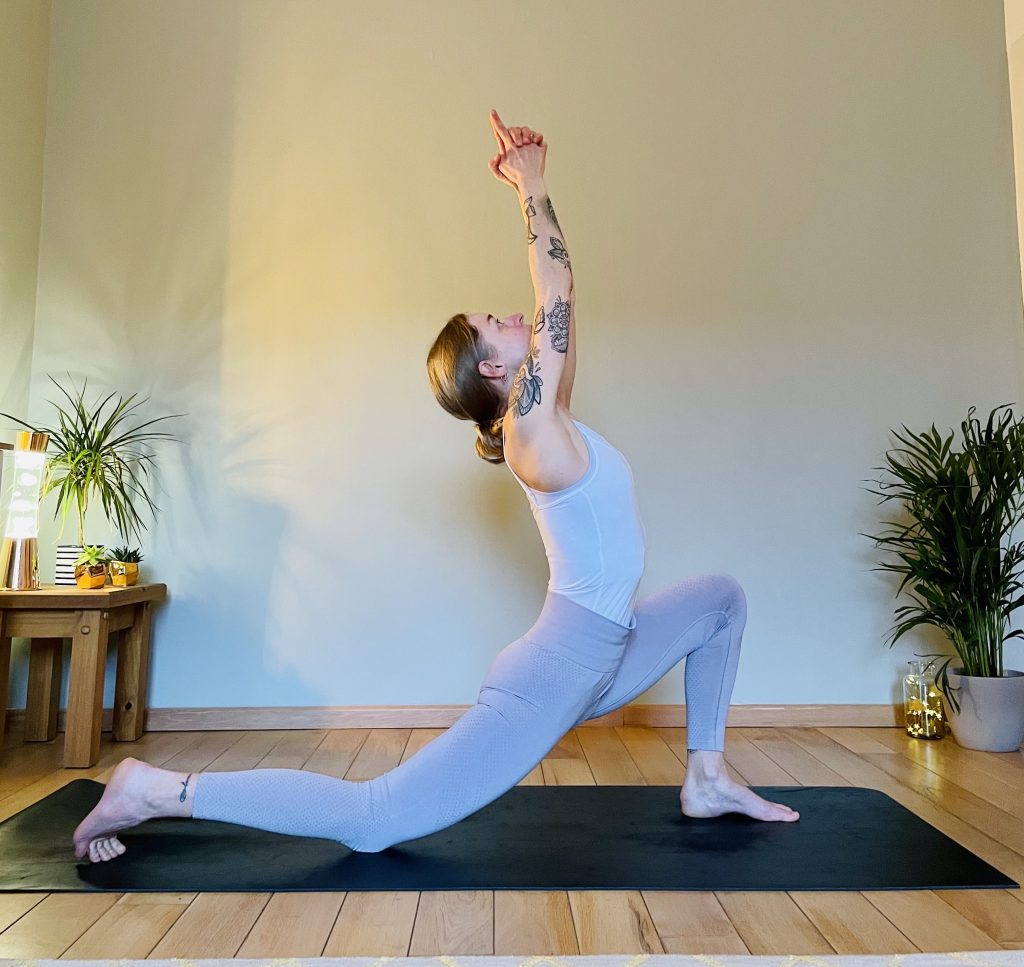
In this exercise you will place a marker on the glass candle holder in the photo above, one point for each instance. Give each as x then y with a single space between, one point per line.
925 718
19 553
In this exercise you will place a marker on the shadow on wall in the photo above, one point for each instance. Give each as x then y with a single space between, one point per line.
204 262
214 629
133 296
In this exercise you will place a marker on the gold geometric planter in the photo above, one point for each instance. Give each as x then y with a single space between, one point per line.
123 574
90 576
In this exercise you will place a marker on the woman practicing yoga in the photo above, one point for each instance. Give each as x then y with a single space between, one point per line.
589 652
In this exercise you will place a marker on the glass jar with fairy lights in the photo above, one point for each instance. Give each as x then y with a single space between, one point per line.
925 718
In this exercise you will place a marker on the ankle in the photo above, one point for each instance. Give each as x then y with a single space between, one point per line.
705 765
183 793
170 794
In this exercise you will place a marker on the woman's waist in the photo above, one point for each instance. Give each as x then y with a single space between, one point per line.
586 637
613 600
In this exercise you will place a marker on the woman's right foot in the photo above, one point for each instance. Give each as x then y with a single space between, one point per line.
703 798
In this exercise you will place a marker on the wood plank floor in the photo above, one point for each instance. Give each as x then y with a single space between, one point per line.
976 798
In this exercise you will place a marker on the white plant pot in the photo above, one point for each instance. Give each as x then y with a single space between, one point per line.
991 716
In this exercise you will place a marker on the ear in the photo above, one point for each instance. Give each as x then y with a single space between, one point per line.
487 368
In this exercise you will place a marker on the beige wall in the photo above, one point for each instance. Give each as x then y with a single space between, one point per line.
24 59
1014 13
792 227
24 55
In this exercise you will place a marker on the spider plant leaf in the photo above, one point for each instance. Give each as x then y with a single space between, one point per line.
28 426
120 411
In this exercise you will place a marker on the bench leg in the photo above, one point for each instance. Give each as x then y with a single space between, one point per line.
45 667
85 690
132 677
5 669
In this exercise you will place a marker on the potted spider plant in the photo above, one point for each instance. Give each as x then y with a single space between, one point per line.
962 503
92 455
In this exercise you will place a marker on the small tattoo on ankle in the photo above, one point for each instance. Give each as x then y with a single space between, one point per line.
184 788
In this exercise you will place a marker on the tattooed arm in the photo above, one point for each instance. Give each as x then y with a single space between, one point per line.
569 373
549 259
549 369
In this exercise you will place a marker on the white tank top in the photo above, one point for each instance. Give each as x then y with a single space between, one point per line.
592 533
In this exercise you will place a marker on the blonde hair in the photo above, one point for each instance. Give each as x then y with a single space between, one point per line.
459 386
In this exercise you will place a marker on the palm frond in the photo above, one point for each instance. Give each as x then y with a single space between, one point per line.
961 504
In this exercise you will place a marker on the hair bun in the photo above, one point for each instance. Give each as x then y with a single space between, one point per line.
493 429
490 444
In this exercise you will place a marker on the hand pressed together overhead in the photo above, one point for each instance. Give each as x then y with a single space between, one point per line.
521 155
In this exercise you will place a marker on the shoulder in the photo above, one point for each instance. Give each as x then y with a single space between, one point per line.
546 451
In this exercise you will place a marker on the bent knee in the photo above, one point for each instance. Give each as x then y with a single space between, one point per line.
733 599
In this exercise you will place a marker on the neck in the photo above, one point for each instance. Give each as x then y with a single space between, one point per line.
502 389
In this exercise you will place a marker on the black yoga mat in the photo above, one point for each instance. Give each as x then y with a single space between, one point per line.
532 837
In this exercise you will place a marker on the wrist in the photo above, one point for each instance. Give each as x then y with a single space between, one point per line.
531 187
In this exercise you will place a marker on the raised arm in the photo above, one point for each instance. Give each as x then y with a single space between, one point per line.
553 341
546 376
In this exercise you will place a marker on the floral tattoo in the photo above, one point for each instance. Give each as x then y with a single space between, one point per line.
558 325
526 386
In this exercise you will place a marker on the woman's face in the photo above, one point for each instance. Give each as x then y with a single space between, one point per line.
508 335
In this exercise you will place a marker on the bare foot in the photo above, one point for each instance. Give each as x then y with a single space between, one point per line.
136 792
702 798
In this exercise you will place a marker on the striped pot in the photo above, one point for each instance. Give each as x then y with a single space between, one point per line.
67 554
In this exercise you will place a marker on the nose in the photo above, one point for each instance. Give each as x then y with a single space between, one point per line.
520 317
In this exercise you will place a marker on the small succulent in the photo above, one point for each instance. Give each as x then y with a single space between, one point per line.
93 554
125 555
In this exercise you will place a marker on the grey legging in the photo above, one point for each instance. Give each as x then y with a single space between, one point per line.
572 665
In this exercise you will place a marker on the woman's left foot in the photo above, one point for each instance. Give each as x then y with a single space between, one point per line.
123 805
715 797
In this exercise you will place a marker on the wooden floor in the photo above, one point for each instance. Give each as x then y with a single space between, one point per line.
976 798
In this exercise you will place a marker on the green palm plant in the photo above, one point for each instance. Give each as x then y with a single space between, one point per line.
963 504
92 455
